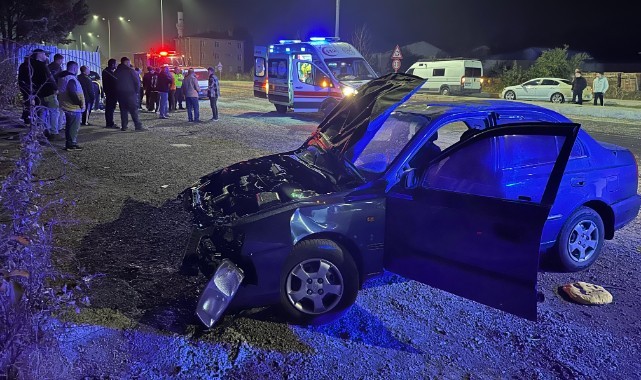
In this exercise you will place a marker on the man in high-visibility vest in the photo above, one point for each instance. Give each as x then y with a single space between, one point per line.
178 95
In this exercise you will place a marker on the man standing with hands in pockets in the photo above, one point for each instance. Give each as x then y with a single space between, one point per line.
213 91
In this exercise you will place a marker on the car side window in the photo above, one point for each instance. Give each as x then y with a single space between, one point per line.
549 82
532 83
471 170
438 72
519 151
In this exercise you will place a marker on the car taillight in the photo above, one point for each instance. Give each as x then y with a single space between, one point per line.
462 80
267 86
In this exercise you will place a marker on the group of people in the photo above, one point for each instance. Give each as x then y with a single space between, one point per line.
55 90
67 97
599 86
164 91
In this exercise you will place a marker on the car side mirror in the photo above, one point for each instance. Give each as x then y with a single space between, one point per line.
410 179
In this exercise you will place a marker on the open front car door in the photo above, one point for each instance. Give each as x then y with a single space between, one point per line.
457 227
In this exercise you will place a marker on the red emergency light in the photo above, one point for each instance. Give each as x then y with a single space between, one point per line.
163 53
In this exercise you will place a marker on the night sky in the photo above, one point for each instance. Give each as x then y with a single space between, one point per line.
456 26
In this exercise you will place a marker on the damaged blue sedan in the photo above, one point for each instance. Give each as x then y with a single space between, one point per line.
464 197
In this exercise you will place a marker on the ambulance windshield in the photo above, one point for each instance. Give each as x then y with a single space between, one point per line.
350 69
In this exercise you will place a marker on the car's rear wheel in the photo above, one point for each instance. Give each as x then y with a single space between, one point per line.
319 281
580 240
281 108
445 90
509 95
557 97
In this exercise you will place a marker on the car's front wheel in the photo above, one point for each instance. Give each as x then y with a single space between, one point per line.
557 97
445 90
318 282
509 95
580 240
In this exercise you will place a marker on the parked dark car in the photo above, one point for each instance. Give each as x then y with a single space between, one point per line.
461 196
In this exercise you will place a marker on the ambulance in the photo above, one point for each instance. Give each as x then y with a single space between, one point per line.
309 76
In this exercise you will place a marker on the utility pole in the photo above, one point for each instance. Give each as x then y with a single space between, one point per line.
338 10
162 27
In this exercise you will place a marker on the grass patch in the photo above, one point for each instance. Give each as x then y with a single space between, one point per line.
100 316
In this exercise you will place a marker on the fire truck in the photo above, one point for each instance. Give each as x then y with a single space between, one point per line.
158 58
309 76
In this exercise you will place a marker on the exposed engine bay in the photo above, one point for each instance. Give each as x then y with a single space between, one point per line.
250 186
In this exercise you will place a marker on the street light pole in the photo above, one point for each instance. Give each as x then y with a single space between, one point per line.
109 36
162 27
338 9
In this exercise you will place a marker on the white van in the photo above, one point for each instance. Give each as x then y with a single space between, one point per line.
309 76
449 77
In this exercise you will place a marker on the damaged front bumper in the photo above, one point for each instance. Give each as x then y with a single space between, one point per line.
219 292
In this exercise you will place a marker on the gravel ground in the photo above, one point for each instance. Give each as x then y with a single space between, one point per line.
129 234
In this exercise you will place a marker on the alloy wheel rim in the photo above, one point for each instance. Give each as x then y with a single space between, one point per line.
583 241
556 98
314 286
509 95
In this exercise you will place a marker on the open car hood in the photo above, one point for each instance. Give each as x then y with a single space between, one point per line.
347 123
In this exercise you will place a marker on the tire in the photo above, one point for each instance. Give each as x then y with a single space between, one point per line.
281 108
557 97
445 90
308 297
580 240
509 95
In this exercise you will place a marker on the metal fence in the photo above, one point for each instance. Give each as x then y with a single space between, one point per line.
86 58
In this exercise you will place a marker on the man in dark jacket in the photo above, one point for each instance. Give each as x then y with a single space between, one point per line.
578 85
24 85
56 66
109 83
128 88
87 90
165 79
146 85
95 79
36 80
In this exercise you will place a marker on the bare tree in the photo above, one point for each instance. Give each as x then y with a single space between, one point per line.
362 41
40 20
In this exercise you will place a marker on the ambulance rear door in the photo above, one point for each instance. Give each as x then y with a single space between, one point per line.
260 72
279 81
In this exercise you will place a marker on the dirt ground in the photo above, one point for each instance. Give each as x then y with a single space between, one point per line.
127 239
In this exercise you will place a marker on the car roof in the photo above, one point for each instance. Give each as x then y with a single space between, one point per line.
559 79
435 109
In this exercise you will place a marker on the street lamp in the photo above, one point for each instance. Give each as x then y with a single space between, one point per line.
96 17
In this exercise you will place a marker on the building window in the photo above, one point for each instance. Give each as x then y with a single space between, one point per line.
229 43
216 55
239 46
239 69
216 44
240 57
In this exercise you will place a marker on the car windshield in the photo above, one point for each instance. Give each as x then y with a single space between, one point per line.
350 69
383 141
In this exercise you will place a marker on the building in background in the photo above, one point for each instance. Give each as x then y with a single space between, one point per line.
211 48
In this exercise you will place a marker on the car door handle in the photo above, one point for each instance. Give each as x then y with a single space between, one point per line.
577 182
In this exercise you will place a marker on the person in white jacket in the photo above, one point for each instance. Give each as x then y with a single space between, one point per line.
599 86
